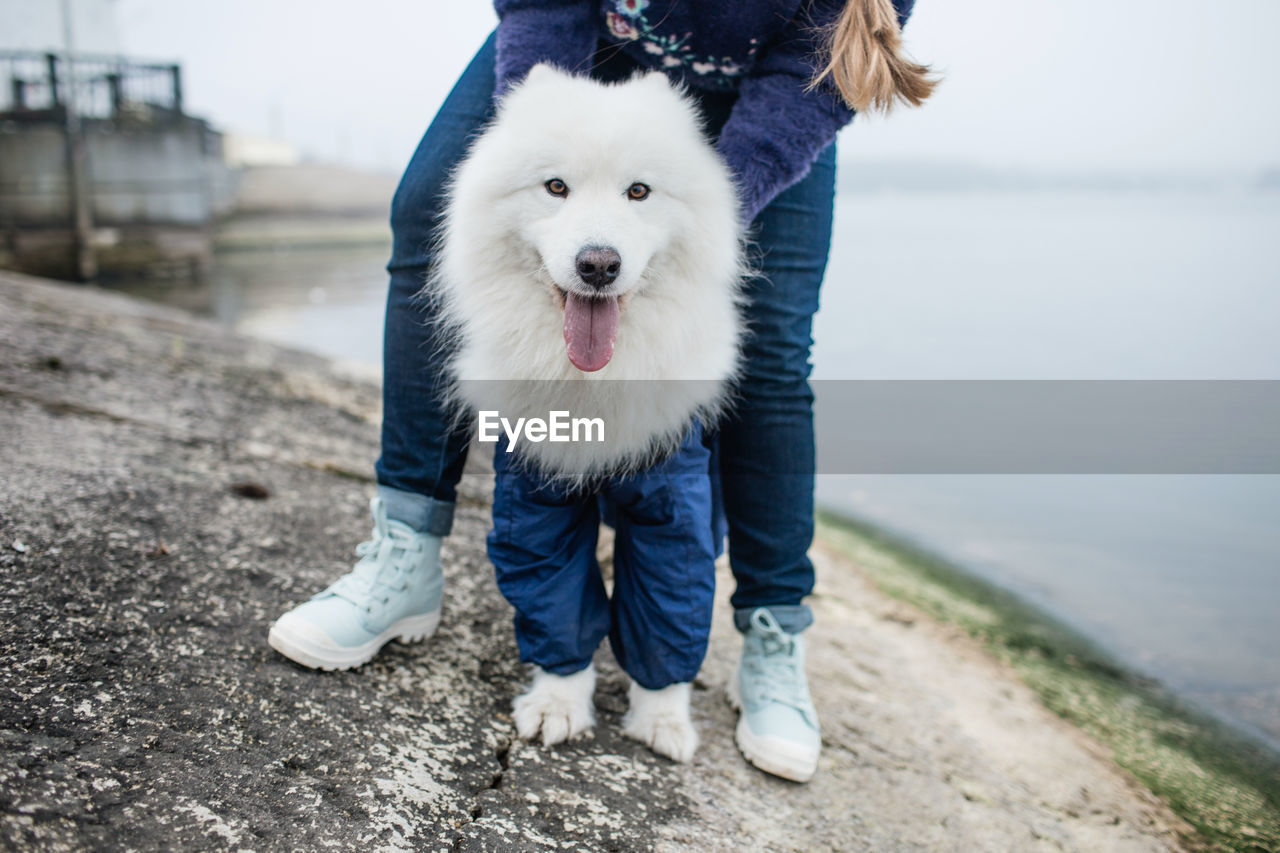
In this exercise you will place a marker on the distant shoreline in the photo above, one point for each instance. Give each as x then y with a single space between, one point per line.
924 176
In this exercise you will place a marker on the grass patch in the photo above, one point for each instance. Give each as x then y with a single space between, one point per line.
1219 781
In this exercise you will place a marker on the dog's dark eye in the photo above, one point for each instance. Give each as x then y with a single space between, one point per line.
638 191
557 187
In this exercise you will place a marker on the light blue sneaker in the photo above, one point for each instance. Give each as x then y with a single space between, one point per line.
394 592
778 727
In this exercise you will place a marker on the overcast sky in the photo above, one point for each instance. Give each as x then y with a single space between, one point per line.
1086 85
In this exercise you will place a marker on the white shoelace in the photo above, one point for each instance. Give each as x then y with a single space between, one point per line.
777 675
380 555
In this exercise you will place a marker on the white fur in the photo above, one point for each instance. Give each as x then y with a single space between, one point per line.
509 249
507 259
660 718
559 707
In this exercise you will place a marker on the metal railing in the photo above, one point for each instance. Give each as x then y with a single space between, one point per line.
40 84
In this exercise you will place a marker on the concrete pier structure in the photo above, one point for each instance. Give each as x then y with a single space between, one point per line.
153 177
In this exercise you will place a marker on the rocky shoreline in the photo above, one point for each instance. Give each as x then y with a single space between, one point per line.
169 488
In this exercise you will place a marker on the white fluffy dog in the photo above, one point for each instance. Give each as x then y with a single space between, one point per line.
591 263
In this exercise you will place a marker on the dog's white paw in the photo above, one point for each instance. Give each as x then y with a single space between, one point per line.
660 719
559 707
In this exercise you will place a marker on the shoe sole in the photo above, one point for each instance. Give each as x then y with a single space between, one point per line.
774 756
305 644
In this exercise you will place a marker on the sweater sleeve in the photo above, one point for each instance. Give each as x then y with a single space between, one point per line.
778 127
561 32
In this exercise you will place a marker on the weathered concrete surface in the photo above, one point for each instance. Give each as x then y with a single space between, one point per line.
140 707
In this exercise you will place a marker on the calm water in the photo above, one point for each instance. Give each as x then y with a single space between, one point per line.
1178 575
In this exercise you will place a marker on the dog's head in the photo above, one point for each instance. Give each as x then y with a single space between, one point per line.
593 194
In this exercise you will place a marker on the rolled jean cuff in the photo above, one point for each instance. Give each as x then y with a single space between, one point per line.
792 618
423 514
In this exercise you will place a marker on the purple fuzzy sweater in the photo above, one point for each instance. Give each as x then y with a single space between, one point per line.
766 50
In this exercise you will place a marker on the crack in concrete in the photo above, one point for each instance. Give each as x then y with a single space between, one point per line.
501 754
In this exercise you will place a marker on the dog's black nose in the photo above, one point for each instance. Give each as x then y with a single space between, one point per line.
598 266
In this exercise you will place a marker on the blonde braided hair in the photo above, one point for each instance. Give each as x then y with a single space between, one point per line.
867 64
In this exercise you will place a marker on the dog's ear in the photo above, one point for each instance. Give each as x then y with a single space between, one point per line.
659 85
654 80
867 63
543 72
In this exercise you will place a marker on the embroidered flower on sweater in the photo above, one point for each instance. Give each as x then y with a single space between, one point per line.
632 8
629 23
620 27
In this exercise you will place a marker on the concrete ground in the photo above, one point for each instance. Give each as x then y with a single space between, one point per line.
167 489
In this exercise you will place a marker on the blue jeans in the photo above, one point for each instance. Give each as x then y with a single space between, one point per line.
543 549
766 447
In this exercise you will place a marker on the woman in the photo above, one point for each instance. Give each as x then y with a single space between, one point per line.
776 80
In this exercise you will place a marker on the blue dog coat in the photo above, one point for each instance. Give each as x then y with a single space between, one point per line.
543 547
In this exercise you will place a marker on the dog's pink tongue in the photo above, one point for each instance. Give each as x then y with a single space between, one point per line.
590 328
